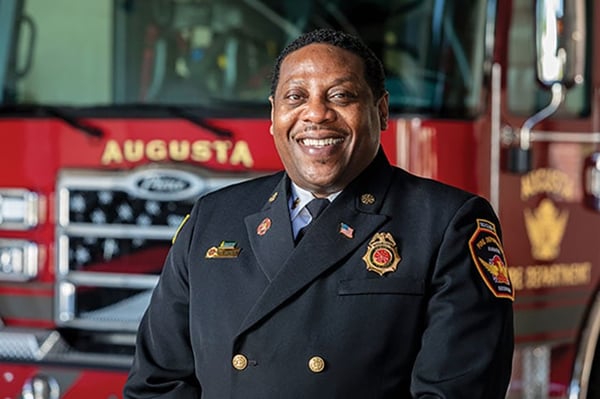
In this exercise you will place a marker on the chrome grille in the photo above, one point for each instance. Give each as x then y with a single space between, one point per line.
90 250
113 233
119 207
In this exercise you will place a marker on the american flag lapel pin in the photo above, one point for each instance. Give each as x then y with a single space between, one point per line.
346 230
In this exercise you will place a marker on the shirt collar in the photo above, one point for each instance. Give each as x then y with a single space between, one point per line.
300 197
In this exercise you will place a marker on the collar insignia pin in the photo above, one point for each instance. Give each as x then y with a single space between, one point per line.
273 197
295 203
263 227
367 199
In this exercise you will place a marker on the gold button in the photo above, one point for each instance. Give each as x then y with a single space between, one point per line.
239 362
316 364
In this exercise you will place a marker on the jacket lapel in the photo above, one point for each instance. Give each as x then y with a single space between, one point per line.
323 246
270 232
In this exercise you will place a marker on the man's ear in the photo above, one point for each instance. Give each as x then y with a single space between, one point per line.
272 107
383 108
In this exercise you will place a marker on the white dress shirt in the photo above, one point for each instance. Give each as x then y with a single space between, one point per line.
299 215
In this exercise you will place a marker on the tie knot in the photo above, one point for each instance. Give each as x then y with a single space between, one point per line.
316 206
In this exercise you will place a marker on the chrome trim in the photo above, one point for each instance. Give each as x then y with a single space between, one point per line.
62 255
111 280
555 102
164 184
565 137
42 346
495 137
584 360
63 206
30 260
124 315
86 179
40 386
536 371
18 344
65 301
542 136
121 231
31 209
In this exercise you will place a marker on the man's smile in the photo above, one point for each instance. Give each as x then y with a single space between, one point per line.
324 142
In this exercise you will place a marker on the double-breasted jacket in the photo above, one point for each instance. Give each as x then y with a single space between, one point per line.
399 289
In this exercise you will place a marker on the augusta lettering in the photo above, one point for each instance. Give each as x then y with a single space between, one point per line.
221 151
550 181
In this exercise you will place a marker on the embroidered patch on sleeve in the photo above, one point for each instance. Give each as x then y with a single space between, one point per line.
488 256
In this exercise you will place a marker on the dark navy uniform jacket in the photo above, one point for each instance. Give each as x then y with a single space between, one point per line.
275 320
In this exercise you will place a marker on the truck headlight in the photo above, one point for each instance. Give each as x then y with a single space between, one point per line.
18 260
19 209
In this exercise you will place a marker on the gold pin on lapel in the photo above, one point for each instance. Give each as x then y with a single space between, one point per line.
367 199
226 249
382 254
273 197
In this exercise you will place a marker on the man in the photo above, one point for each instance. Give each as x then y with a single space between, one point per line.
398 289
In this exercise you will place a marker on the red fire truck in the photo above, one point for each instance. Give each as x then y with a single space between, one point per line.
115 115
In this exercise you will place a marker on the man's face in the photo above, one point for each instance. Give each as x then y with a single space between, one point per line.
325 122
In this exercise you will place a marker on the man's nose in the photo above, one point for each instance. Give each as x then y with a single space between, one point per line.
318 110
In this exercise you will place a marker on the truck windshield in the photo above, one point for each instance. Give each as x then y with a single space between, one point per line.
219 53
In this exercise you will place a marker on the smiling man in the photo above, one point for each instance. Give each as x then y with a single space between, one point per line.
326 118
341 277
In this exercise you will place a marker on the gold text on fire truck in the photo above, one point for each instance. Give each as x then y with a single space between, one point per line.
551 276
221 151
546 180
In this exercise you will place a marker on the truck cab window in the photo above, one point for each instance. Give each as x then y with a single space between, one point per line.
217 53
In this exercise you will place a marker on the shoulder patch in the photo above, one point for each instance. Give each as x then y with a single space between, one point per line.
488 256
185 219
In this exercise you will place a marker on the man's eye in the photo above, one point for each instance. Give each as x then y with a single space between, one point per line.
343 96
293 98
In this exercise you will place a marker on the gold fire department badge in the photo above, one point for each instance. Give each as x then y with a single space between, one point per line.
382 255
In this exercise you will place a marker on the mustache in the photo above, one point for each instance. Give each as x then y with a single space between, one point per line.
314 127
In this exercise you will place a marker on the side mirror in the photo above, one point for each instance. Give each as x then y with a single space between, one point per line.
560 41
560 44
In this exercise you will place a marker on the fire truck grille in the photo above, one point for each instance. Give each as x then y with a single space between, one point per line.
118 207
86 251
113 233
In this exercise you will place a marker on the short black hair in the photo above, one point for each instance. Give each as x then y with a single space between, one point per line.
374 73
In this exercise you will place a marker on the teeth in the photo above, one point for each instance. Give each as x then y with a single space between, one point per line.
321 142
